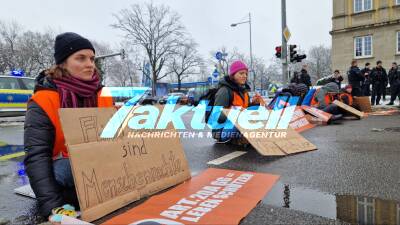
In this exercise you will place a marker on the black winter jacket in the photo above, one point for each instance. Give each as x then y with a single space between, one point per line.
305 78
224 95
366 72
394 76
39 137
379 77
355 77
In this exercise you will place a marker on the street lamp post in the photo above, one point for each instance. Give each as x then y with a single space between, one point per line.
251 49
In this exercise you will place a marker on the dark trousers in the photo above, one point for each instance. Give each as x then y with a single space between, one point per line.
332 109
394 92
356 91
384 93
377 92
366 90
63 175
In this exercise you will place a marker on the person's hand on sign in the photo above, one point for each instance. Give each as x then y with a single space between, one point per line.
258 100
57 213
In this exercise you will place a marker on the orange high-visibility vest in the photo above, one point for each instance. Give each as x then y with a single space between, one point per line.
238 101
49 101
315 103
342 97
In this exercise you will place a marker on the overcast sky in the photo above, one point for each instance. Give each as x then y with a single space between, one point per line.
208 21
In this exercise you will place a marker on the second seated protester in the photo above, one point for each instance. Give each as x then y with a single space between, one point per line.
324 97
233 91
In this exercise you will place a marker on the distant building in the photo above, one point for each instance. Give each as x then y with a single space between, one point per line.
366 30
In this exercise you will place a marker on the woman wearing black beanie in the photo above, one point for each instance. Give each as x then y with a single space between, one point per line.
73 82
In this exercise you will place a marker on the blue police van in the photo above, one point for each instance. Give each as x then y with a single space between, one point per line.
15 92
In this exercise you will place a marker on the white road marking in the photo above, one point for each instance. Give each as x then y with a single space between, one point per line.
226 158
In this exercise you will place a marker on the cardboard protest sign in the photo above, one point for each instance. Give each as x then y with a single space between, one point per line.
216 196
363 104
299 121
110 174
301 125
275 142
315 120
324 116
349 109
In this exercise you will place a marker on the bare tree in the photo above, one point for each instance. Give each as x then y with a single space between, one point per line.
9 32
260 70
184 62
122 73
34 52
319 62
274 71
116 71
203 72
26 50
157 29
259 65
231 56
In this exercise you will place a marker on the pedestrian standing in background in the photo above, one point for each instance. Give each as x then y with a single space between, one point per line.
355 78
305 77
379 81
366 84
394 81
296 78
337 78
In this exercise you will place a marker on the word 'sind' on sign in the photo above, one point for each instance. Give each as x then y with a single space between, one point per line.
111 173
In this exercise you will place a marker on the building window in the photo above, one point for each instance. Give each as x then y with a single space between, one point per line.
397 2
398 42
365 210
363 46
363 5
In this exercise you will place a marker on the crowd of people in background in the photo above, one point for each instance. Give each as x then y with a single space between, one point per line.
364 82
375 79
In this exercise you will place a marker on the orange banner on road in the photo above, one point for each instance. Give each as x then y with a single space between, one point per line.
216 196
299 121
317 113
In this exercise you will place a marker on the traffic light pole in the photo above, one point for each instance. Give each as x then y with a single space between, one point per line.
251 57
284 44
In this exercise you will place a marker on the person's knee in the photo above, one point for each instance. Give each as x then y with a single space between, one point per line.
63 172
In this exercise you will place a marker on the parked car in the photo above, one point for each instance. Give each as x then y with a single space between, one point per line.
14 94
147 99
190 96
195 94
182 98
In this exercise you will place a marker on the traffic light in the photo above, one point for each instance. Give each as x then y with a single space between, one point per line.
278 52
300 57
294 57
293 52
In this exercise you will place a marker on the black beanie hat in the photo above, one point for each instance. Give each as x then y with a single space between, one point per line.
67 44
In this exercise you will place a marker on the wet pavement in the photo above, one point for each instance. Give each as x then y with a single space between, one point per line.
353 177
